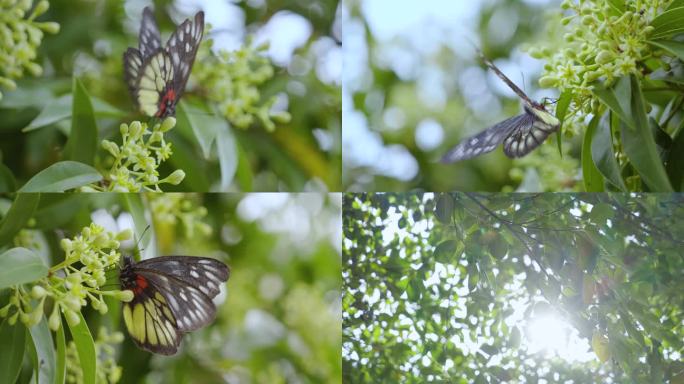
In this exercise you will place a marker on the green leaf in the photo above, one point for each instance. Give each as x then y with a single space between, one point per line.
19 213
227 153
668 23
12 351
7 181
196 120
244 174
561 110
675 47
185 158
675 162
444 252
444 208
60 365
617 99
55 111
82 143
489 349
19 266
62 176
640 147
603 156
85 348
57 209
515 338
593 181
675 4
42 340
60 109
134 205
617 6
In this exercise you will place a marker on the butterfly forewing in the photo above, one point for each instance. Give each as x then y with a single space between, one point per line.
182 48
176 290
150 38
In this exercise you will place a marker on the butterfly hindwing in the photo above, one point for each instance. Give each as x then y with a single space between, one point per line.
528 136
133 63
150 323
156 74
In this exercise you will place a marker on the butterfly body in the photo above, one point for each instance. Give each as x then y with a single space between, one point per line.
156 75
172 295
519 134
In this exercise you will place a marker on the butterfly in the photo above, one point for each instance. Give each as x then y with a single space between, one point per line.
156 75
520 134
172 295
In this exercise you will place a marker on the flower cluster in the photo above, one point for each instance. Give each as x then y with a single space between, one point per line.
72 282
600 44
136 161
232 80
20 37
171 209
108 371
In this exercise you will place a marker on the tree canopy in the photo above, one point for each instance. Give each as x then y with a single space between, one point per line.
432 284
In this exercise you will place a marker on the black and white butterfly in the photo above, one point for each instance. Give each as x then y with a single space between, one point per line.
156 75
520 134
172 295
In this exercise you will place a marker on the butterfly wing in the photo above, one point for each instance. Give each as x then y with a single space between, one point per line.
487 140
526 137
182 48
150 39
151 323
189 284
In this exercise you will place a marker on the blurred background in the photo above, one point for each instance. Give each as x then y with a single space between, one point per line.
413 87
279 316
304 50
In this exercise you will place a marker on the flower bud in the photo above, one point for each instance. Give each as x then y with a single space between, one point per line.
125 234
66 245
72 318
167 124
38 292
54 321
176 177
125 295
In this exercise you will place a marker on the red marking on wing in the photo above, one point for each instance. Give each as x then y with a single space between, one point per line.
170 95
140 284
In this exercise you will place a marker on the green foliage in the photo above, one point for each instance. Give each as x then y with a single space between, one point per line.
428 292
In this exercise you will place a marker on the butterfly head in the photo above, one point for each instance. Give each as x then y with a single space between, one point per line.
126 274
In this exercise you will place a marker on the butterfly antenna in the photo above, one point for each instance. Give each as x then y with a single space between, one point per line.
142 235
